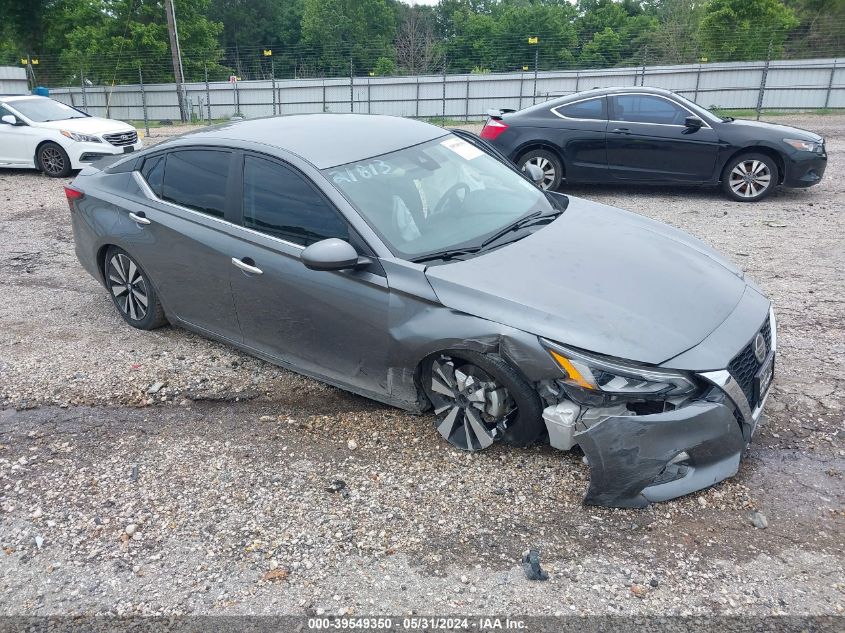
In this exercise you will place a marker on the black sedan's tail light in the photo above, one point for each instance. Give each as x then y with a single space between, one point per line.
493 128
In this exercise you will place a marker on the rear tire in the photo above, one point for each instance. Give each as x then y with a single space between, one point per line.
53 160
480 399
548 162
750 177
131 291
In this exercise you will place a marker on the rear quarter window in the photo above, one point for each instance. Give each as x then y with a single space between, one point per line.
588 109
153 173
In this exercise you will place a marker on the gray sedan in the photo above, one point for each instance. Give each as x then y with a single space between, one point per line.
415 266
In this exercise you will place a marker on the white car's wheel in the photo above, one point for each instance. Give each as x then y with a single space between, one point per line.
53 160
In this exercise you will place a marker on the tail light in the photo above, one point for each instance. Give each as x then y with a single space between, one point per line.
73 195
493 128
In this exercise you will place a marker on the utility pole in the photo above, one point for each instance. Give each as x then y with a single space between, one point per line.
535 42
176 54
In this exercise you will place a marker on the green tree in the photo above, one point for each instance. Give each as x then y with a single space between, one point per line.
603 50
495 36
614 33
251 26
108 40
821 32
385 66
337 32
675 39
745 29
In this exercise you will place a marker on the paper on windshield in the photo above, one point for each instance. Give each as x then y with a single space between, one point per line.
463 149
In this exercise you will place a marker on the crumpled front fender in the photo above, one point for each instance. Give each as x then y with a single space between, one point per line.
627 453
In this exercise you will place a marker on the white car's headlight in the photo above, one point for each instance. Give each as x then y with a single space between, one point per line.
603 376
805 146
82 138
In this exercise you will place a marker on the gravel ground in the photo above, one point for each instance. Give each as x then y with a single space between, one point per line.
236 487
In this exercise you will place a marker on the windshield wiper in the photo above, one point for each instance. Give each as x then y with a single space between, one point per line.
446 255
523 222
528 220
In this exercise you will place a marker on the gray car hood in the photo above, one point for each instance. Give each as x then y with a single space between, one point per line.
600 279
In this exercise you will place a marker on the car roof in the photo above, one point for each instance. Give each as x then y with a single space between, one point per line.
324 139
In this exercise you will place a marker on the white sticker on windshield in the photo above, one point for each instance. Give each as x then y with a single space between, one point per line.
462 148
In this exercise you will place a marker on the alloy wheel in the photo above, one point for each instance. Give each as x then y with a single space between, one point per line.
52 160
546 167
128 286
750 178
473 407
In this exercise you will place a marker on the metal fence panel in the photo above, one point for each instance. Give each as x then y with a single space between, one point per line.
789 84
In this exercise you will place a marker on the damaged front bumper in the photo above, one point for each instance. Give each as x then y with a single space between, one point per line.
635 459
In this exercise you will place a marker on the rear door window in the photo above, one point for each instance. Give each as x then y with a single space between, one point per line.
280 202
587 109
648 109
197 179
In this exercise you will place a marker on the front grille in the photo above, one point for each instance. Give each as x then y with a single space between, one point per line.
745 365
122 138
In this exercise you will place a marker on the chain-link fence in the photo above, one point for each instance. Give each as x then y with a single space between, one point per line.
454 79
779 85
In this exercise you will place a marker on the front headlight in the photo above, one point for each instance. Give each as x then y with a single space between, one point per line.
804 146
600 375
82 138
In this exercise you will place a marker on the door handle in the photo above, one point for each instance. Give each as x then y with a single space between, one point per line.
621 130
140 217
247 265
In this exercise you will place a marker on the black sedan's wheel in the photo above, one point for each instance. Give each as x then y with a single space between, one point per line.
750 177
479 399
53 160
548 163
132 292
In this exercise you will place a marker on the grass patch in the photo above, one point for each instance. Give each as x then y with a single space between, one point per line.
157 124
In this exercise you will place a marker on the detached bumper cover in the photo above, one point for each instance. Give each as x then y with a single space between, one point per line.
638 459
628 454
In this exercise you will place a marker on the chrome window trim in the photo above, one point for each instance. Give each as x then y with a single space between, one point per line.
569 103
665 98
725 381
148 193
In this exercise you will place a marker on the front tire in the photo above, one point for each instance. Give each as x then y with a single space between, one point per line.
549 164
132 292
53 160
479 399
750 177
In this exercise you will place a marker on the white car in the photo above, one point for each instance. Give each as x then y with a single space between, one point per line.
41 133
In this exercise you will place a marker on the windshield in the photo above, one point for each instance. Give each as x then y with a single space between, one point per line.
42 110
440 195
704 113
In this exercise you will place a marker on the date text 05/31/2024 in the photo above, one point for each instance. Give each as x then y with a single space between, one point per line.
422 623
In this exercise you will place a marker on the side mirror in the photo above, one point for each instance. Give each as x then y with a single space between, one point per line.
8 119
693 122
534 173
331 254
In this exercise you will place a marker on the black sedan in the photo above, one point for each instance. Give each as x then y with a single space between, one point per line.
654 136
